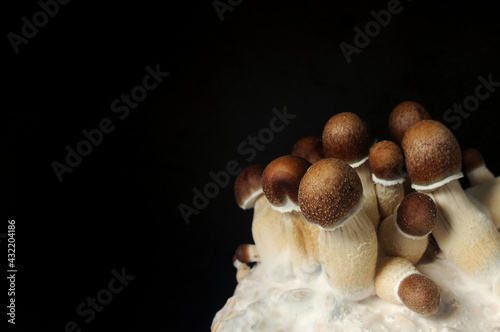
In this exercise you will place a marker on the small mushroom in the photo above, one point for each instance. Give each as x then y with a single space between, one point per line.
310 148
475 167
465 235
405 234
331 197
386 162
398 281
280 183
403 116
348 138
247 253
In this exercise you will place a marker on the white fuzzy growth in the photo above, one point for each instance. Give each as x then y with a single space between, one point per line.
387 183
430 187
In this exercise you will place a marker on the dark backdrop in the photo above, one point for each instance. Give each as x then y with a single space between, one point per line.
119 207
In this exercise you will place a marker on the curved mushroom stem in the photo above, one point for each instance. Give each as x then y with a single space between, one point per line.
488 195
370 204
398 281
466 236
348 256
395 243
389 197
270 236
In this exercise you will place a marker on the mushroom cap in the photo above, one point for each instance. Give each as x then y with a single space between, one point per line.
347 137
432 153
420 294
309 148
244 253
417 214
247 186
403 116
472 159
328 192
281 179
386 160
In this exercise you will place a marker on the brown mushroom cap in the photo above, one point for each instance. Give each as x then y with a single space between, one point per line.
386 160
403 116
417 214
328 192
309 148
244 253
347 137
432 153
472 159
420 294
247 183
281 179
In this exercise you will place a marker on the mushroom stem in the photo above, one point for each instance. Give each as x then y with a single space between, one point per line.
348 256
467 237
488 195
475 167
269 235
370 204
395 242
389 196
479 175
398 281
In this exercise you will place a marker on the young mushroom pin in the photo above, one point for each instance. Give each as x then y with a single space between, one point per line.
386 162
267 229
310 148
348 138
466 236
331 197
398 281
280 183
405 234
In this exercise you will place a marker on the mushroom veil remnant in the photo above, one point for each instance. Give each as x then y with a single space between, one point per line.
331 197
348 138
467 237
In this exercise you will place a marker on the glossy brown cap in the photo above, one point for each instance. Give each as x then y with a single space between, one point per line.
347 137
246 184
432 153
310 148
472 159
420 294
403 116
386 160
328 192
281 179
417 214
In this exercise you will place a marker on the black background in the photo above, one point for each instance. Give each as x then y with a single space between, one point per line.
119 207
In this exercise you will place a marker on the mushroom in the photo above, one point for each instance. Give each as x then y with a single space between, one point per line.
280 183
348 138
247 253
267 229
475 167
405 234
403 116
465 235
241 268
398 281
386 162
487 197
309 148
331 197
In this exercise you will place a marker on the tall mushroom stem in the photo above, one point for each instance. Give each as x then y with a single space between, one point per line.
370 204
467 237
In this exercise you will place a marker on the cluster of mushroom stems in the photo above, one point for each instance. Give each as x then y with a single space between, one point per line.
364 213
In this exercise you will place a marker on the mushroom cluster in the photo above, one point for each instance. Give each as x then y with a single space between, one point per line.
362 215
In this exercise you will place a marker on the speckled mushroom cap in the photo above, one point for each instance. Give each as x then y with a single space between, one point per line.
347 137
403 116
472 159
247 186
432 154
420 294
416 215
309 148
386 160
281 179
328 192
